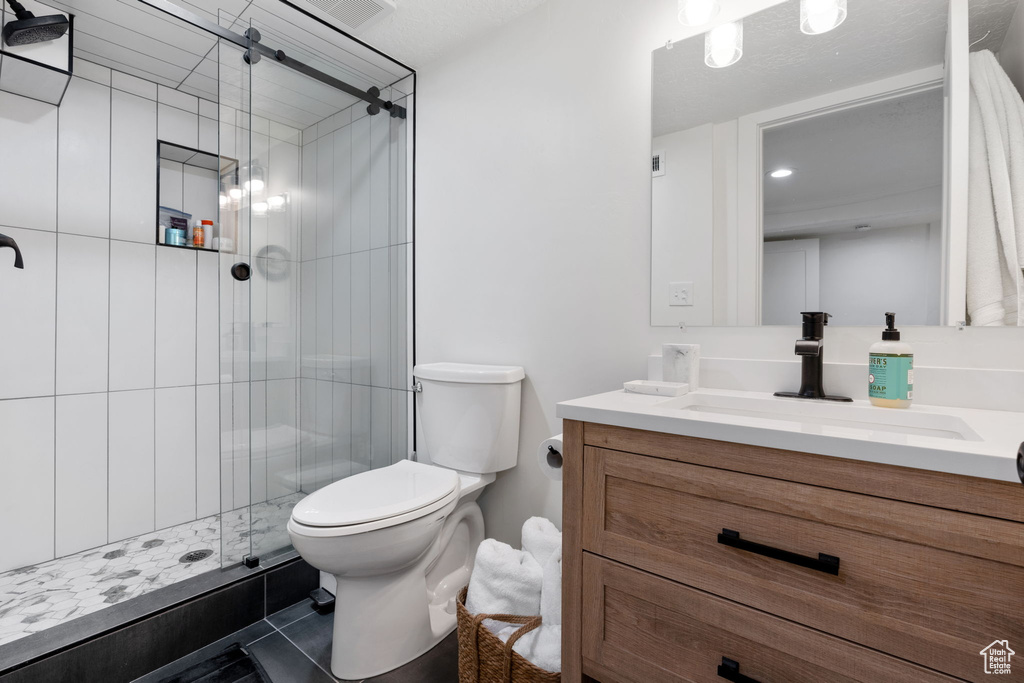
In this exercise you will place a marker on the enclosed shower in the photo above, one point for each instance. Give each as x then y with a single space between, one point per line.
235 336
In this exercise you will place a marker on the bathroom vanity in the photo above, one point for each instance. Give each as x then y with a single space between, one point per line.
749 545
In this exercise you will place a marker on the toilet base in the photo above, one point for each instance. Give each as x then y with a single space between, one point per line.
382 622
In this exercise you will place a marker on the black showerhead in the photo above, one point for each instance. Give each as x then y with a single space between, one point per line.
28 28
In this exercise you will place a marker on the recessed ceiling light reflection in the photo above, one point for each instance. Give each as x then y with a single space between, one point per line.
780 173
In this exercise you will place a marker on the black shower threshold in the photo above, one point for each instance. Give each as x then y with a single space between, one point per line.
128 640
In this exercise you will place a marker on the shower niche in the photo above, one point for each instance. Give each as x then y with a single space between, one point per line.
192 188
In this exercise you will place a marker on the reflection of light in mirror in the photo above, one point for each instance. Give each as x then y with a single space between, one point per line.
723 45
781 173
254 185
259 208
821 16
223 199
697 12
235 193
275 202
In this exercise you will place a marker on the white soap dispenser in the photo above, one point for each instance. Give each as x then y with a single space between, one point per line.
891 369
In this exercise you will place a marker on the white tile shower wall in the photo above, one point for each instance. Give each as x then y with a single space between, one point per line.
353 398
101 317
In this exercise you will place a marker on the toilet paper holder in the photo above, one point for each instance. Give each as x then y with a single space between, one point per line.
554 457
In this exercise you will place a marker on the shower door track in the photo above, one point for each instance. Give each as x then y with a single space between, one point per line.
254 50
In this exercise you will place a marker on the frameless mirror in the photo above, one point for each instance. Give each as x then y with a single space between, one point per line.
837 171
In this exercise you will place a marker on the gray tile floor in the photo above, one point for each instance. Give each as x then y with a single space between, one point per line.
294 646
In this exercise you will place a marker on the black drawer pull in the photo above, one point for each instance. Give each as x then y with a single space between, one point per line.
730 670
823 563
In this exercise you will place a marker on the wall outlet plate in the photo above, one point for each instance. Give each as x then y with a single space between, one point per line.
680 294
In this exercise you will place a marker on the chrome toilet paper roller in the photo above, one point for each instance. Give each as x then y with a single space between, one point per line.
549 457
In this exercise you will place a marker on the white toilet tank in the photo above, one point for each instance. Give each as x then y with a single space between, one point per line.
470 415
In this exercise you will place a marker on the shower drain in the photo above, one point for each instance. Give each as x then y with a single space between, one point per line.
195 556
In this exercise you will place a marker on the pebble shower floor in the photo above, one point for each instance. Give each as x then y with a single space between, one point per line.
34 598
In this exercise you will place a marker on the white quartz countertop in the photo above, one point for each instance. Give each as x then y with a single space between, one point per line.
976 443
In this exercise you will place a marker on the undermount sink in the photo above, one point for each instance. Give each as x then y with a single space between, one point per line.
826 418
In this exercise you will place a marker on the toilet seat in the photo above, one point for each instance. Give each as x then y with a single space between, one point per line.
376 499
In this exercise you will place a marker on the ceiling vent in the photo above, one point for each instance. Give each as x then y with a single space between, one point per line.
352 16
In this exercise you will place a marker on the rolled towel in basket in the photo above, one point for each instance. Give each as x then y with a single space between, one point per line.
540 538
542 646
551 590
504 581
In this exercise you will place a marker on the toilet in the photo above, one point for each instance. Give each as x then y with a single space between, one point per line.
401 540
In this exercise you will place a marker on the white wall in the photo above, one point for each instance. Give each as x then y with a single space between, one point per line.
533 226
1011 52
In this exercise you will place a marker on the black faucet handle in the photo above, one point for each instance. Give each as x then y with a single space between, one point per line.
814 324
9 242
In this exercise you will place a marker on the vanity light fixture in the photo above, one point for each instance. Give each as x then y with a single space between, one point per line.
235 193
821 16
697 12
780 173
223 200
276 202
260 209
723 45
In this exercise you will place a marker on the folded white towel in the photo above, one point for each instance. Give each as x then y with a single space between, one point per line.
540 538
504 581
541 646
551 591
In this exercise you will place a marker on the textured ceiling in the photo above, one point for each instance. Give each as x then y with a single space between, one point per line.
877 164
420 31
879 38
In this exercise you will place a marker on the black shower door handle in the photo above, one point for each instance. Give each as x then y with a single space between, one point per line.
729 669
8 242
241 271
828 564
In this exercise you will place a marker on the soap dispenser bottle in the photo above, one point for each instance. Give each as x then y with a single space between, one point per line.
891 369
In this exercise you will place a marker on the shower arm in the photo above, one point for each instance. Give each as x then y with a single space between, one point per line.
8 242
254 50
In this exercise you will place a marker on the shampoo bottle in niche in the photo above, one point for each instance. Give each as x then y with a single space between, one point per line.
891 369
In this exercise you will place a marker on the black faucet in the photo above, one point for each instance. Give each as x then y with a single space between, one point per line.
812 357
6 241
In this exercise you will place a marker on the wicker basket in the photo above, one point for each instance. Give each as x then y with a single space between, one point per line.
483 658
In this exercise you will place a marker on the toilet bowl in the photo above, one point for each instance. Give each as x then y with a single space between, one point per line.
401 540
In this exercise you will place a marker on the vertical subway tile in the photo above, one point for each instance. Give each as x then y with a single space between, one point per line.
207 450
342 190
342 430
400 445
362 409
80 488
259 286
132 167
284 168
360 327
227 465
175 317
380 181
342 318
380 318
199 191
307 203
82 308
28 311
325 197
241 423
133 84
282 438
132 315
324 433
307 316
360 185
26 481
28 138
401 372
380 426
83 204
207 318
172 182
308 435
131 466
175 456
324 318
208 135
257 441
259 215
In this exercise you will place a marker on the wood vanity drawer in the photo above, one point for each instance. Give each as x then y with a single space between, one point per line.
930 586
639 628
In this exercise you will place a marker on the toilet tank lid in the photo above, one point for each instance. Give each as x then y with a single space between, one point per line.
469 374
376 494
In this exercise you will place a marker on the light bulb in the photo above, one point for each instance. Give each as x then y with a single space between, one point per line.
276 202
821 16
723 45
781 173
259 208
697 12
223 199
254 185
235 193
